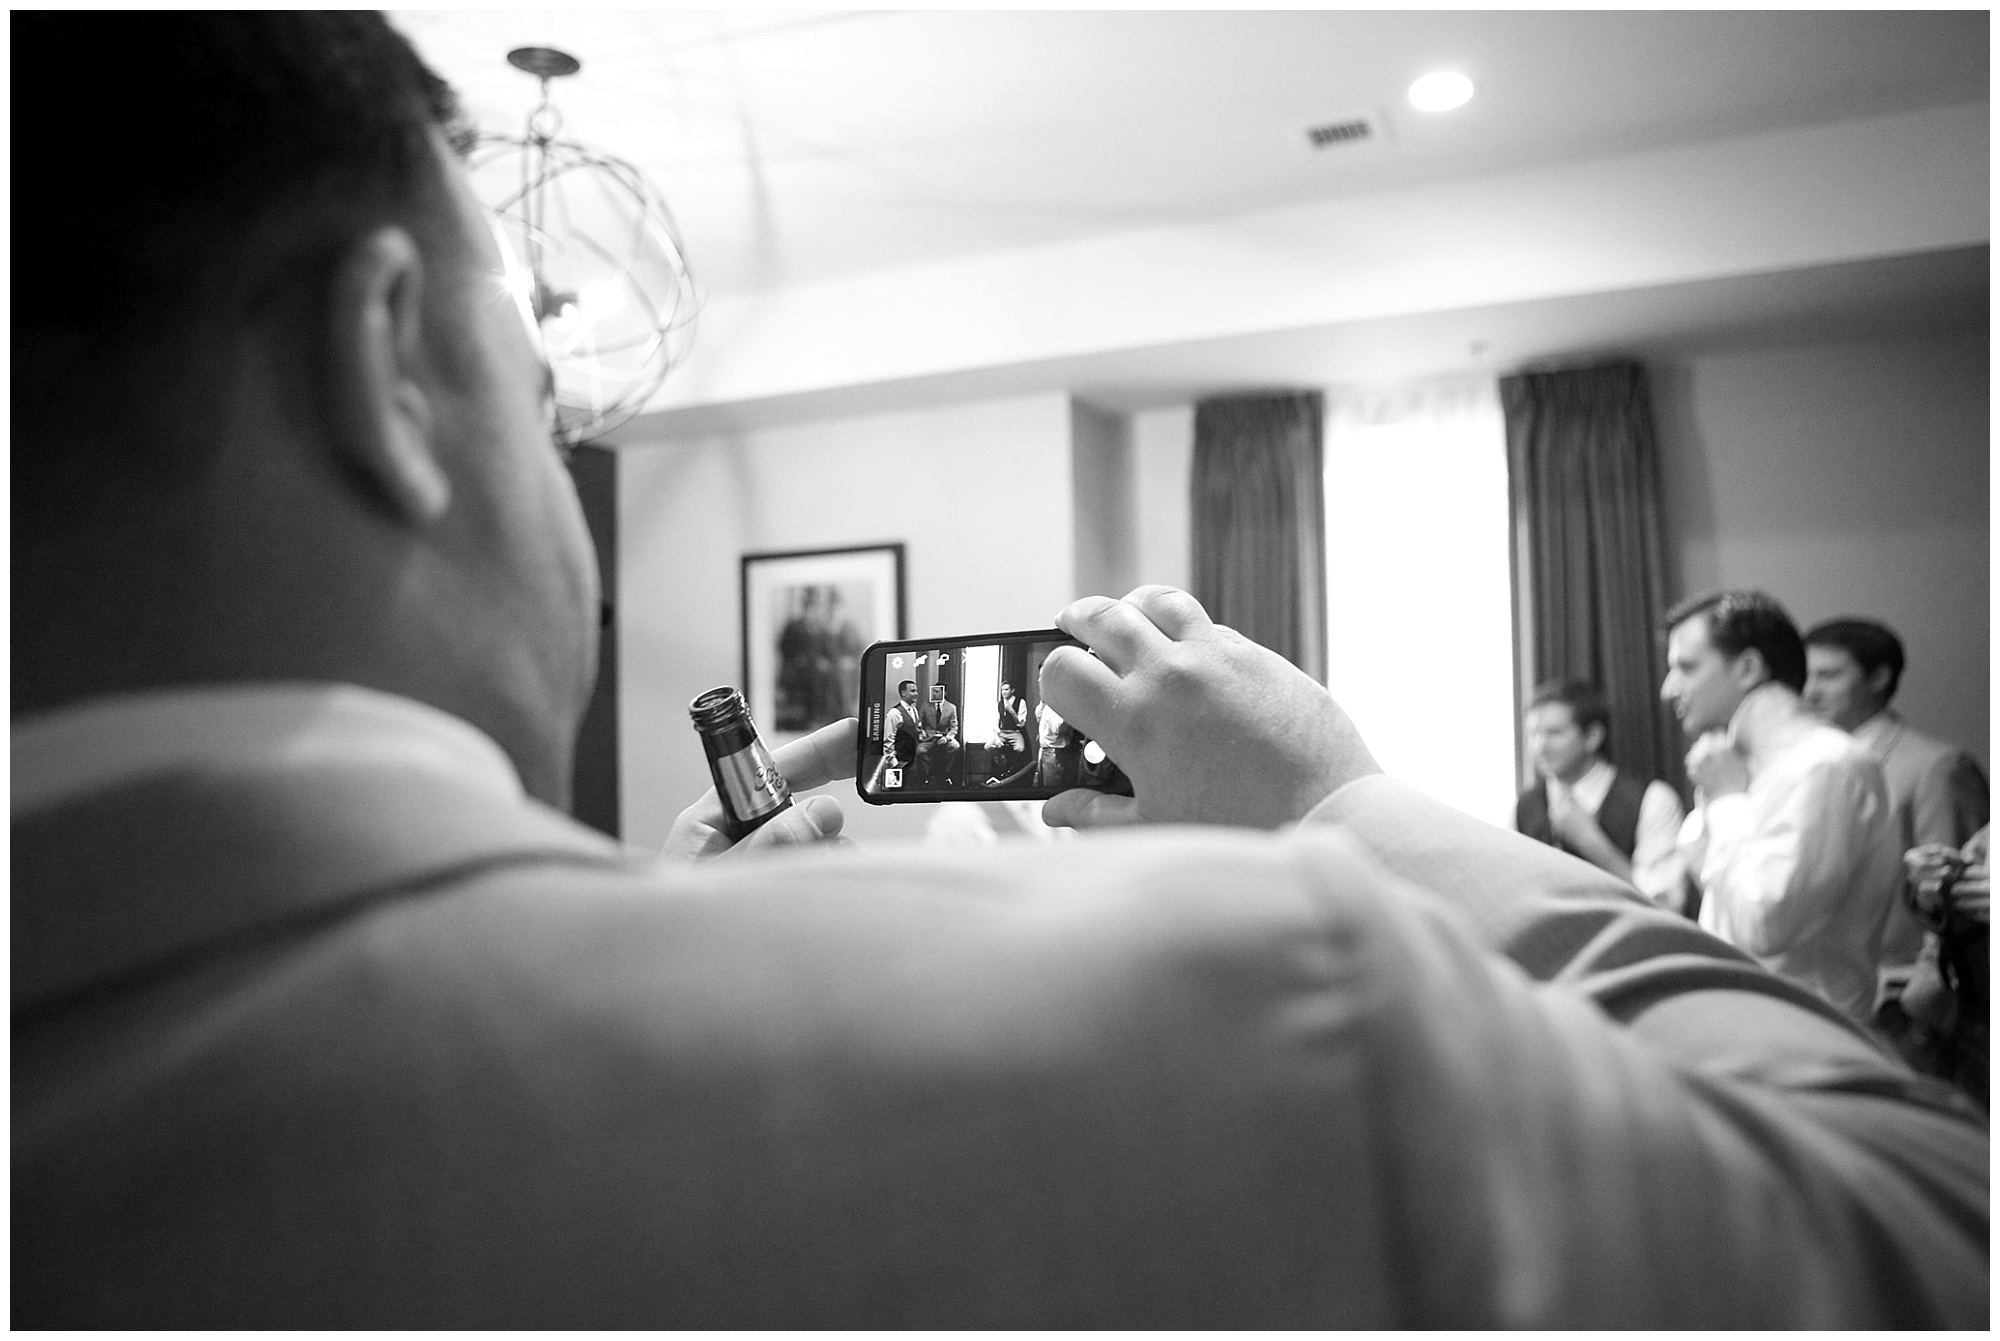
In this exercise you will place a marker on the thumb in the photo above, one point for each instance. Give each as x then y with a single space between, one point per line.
1081 808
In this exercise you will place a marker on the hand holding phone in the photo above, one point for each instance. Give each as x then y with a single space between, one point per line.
1211 727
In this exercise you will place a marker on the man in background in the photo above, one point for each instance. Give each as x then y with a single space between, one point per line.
325 1015
1055 747
1853 669
1587 807
901 731
1936 791
938 748
1010 746
1791 839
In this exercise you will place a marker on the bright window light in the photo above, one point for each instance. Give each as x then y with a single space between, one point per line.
979 715
1420 642
1440 91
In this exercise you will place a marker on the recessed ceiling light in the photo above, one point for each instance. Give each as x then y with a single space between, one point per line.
1441 91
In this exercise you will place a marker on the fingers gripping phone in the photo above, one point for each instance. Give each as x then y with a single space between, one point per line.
962 719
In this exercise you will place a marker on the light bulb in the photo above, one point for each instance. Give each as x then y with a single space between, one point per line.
1440 91
602 297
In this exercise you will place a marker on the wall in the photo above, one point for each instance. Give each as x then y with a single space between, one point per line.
1845 478
1162 464
1102 483
981 494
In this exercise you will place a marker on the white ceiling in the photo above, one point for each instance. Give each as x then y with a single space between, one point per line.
801 146
806 149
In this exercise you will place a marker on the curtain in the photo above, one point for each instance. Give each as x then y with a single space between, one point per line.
1258 522
1583 484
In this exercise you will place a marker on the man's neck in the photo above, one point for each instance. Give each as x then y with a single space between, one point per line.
1768 720
1581 771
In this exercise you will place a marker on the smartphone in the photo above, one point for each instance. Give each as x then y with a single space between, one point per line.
962 719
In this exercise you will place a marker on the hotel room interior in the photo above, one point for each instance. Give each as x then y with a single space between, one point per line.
967 277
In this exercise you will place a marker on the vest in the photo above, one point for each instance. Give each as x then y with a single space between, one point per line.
1618 816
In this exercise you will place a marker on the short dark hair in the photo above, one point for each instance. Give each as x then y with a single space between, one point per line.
271 140
907 684
1741 621
1586 703
1872 645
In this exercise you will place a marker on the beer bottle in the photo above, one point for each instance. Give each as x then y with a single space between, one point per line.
746 777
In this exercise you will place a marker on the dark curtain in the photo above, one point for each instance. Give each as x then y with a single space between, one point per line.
1583 479
1259 522
594 774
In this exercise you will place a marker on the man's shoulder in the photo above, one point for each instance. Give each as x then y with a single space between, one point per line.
1816 746
1919 751
190 862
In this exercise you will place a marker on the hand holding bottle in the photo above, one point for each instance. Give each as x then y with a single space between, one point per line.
827 755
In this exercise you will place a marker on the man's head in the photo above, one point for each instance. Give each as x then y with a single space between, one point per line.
1566 726
1852 669
1722 645
287 420
907 691
1006 690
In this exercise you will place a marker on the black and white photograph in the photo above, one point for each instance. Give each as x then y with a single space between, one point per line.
807 616
1019 670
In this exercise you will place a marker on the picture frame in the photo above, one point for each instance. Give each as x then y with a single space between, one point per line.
806 616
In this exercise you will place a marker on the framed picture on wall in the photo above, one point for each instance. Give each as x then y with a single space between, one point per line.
807 614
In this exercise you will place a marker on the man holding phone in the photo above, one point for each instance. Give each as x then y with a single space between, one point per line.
325 1015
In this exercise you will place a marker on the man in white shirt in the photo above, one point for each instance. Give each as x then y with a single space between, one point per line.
1792 838
1590 809
325 1015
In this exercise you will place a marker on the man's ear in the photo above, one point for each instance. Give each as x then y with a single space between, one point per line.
383 416
1593 738
1878 682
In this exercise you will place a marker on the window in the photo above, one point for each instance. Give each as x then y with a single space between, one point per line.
1419 603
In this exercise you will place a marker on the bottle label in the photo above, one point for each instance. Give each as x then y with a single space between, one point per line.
752 786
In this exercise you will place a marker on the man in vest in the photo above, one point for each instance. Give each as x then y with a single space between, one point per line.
1583 805
902 731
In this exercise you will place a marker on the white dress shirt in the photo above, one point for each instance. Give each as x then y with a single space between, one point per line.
1802 870
1657 865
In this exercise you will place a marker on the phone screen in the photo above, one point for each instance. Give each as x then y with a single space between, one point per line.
962 719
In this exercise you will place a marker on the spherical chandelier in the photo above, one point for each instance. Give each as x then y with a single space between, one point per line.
597 255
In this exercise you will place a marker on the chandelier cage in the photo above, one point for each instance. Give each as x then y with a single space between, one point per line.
609 290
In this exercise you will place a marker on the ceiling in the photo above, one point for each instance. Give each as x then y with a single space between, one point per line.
802 146
801 150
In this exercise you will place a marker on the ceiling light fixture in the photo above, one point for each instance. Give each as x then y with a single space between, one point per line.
1440 91
606 282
